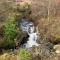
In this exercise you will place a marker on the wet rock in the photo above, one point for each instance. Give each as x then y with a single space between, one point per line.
24 40
1 30
21 39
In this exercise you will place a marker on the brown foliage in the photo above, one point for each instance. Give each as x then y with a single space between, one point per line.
46 15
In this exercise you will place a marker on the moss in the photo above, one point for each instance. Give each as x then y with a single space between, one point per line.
57 39
10 28
24 54
10 32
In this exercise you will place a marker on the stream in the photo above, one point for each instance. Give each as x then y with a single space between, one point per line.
32 31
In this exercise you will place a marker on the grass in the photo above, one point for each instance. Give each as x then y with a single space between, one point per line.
24 54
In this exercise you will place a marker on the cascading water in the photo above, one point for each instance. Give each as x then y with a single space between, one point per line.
29 27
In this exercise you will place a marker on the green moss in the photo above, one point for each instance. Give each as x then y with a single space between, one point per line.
10 32
24 54
10 28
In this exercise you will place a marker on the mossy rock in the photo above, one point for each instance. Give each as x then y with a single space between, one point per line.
57 41
24 7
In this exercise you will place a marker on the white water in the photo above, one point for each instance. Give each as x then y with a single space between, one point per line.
30 29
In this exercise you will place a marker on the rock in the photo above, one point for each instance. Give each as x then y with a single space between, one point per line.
57 48
1 30
7 56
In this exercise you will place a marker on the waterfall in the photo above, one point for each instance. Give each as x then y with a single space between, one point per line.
29 27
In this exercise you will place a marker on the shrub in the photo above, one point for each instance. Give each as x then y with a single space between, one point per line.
10 28
24 54
10 31
24 7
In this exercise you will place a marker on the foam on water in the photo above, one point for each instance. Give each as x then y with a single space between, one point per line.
29 27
